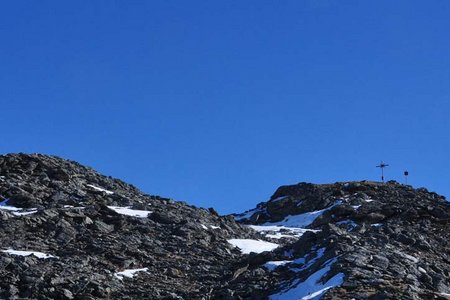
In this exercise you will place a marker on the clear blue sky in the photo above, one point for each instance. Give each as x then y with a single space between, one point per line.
220 102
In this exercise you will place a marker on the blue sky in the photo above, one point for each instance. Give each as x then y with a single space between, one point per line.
218 103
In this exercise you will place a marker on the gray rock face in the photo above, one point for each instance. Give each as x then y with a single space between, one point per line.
366 240
184 255
389 241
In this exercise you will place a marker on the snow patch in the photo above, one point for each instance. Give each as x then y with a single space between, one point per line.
278 199
279 235
130 212
272 265
301 261
4 205
74 207
27 253
17 211
206 227
312 287
129 273
248 245
100 189
24 213
301 220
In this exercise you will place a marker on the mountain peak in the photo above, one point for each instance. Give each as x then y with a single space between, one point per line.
68 232
363 233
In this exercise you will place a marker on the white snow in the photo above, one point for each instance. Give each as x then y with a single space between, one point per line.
376 225
206 227
301 220
293 226
209 226
27 253
278 199
272 265
100 189
129 273
4 205
75 207
316 293
369 200
277 228
130 212
24 213
17 211
312 287
279 235
248 245
301 261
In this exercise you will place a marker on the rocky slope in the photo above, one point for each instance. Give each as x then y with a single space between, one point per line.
365 240
80 218
88 236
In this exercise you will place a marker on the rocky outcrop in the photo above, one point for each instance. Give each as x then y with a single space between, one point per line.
389 241
183 249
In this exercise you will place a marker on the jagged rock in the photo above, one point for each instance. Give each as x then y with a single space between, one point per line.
384 238
90 242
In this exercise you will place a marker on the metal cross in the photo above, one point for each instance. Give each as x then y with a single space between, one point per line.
382 166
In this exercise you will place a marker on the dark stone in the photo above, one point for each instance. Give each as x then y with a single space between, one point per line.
402 238
186 251
380 261
164 218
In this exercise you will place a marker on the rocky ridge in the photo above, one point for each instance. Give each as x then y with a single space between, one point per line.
384 241
97 237
77 215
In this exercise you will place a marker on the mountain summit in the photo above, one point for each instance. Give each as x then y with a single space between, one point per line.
366 240
68 232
